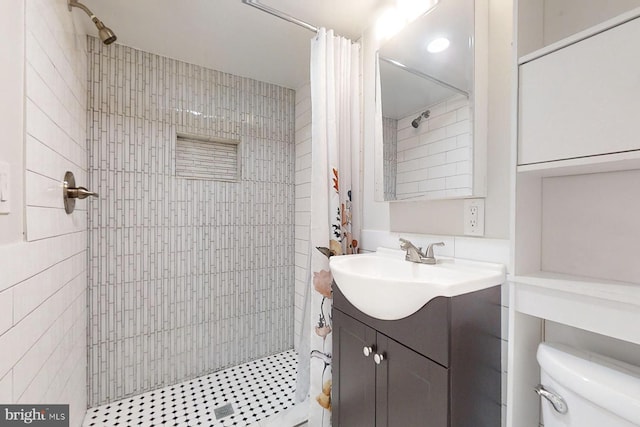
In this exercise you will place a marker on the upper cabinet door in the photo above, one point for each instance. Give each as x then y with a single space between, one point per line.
582 100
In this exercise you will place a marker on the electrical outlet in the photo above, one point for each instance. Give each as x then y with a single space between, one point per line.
474 217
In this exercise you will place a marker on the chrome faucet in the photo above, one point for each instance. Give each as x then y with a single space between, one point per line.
415 254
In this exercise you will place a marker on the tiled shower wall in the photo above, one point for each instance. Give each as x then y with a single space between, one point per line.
389 156
185 276
303 203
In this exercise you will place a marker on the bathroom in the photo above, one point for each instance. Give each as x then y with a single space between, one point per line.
185 273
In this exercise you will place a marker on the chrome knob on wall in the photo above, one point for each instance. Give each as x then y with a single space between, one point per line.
70 192
80 193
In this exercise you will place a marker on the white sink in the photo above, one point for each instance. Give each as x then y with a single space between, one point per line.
385 286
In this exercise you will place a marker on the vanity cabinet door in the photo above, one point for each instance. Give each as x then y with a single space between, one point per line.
412 391
353 392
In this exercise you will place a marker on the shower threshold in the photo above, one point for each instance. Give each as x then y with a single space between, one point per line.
241 396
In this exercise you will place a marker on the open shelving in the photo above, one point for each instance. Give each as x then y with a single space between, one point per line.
547 287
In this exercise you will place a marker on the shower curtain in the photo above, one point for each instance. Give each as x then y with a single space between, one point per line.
335 172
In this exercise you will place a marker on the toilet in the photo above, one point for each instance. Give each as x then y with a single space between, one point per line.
592 390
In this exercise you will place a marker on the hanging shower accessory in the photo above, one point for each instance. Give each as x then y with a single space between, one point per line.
106 34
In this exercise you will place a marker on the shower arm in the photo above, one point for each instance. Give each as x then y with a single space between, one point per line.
106 34
75 3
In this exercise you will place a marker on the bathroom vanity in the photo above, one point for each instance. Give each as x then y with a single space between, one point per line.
438 367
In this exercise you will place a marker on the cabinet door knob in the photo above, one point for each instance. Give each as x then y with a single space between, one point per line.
367 351
378 358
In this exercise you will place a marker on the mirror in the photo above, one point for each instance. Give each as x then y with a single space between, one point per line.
430 147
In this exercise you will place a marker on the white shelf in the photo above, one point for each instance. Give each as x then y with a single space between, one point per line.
604 307
609 290
627 160
575 38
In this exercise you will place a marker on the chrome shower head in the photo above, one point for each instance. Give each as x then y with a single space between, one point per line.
416 122
105 33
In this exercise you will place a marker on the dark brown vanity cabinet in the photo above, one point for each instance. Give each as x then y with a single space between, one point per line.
439 367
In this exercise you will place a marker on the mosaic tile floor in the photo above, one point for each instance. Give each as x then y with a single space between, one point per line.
255 390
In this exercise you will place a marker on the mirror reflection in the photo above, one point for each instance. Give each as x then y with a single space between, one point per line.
426 85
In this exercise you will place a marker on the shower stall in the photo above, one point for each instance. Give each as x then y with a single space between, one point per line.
191 260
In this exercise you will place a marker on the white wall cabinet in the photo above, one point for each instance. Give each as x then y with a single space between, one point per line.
582 100
576 172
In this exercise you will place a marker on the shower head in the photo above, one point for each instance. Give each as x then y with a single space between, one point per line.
105 33
416 122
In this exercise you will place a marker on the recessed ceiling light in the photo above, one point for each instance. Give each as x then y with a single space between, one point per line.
438 45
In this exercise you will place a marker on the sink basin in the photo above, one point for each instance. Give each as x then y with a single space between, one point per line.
385 286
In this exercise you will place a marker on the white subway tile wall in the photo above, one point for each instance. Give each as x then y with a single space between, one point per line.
43 317
185 276
303 202
435 159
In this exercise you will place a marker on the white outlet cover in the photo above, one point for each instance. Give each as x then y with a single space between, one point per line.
474 217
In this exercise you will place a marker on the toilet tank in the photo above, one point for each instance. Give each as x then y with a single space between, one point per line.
598 391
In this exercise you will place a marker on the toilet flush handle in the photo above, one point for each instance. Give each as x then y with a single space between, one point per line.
555 399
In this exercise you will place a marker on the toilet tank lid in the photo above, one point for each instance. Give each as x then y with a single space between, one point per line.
609 383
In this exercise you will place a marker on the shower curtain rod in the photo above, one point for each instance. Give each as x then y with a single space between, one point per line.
281 15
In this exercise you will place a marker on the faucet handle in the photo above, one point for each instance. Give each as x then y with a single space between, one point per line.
429 253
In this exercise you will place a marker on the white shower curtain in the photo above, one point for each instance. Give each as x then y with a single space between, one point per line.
335 172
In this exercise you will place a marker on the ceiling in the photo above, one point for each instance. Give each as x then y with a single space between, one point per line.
230 36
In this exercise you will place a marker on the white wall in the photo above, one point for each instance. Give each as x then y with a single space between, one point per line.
11 113
43 279
565 17
590 225
446 217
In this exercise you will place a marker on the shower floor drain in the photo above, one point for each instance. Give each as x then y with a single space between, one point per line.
223 411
